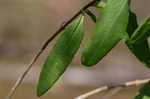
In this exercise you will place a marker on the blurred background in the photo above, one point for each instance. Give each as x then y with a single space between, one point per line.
26 24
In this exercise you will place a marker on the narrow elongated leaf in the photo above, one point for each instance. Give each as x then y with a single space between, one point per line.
142 33
61 55
140 49
136 48
132 23
144 92
107 32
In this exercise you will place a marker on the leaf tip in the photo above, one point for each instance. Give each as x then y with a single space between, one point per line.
41 90
86 62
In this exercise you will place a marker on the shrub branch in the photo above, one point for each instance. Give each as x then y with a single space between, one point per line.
29 66
118 87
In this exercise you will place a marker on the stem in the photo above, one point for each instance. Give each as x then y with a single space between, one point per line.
95 91
118 86
20 79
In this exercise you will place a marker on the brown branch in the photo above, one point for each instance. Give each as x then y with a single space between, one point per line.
120 86
20 79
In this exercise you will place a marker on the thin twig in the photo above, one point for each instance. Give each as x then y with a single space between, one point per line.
20 79
115 90
95 91
108 87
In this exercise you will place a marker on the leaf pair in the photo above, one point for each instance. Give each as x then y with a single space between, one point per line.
61 55
109 29
137 43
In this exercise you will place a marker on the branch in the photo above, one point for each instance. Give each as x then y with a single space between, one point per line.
20 79
95 91
119 87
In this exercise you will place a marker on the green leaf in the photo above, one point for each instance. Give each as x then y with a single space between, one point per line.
141 33
141 49
132 23
61 55
100 4
145 97
144 92
107 32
